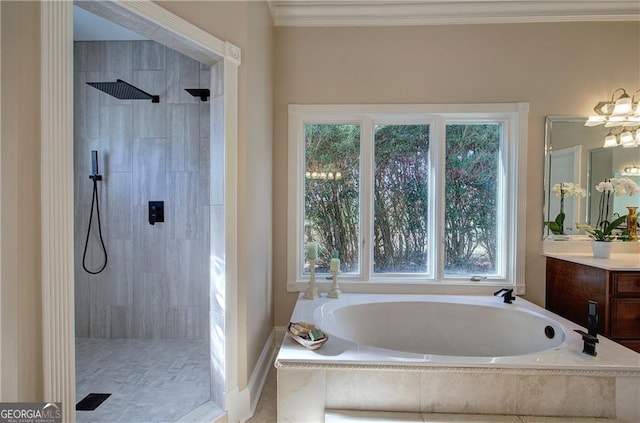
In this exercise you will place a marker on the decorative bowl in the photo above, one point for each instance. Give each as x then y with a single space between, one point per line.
299 331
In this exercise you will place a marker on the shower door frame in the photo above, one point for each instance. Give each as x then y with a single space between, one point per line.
57 183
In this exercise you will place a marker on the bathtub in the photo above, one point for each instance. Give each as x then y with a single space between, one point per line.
449 326
450 354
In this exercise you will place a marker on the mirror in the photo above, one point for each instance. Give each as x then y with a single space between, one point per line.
574 154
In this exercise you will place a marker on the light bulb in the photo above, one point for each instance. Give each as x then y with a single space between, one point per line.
622 107
626 139
610 141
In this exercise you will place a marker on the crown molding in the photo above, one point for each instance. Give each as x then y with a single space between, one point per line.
431 12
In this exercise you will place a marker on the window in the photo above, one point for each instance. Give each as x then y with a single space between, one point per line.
408 195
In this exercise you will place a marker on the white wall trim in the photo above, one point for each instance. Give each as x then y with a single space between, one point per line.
432 12
261 370
514 117
231 64
56 179
519 159
57 175
1 363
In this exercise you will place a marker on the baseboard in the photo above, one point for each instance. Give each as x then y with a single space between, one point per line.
247 399
261 370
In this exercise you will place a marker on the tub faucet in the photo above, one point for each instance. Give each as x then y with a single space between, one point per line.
506 294
590 339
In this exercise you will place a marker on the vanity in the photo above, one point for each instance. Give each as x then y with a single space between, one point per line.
573 279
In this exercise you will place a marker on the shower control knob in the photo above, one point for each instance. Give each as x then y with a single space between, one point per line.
156 212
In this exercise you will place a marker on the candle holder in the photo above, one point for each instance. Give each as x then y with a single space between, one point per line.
312 292
335 290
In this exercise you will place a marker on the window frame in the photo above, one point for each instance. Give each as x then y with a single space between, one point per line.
513 151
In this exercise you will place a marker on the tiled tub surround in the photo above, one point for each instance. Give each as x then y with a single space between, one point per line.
560 381
156 284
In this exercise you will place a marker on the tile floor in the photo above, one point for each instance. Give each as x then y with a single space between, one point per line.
149 380
266 412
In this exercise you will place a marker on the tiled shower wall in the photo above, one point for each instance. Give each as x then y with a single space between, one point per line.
156 283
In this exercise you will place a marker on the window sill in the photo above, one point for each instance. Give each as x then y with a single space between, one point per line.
449 287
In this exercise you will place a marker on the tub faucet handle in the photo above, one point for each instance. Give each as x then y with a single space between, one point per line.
590 342
506 294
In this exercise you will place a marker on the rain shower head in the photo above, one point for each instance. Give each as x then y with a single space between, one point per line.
203 93
124 91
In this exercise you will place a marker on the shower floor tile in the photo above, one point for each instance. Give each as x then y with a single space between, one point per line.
149 380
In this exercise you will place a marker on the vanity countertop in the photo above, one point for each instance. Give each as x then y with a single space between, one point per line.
617 261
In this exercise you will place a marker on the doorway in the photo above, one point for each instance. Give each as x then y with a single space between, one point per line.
57 191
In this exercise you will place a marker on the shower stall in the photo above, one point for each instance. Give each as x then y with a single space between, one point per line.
143 331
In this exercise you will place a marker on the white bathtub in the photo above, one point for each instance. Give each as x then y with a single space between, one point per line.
450 354
440 325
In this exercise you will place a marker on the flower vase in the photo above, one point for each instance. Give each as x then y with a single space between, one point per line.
601 249
632 223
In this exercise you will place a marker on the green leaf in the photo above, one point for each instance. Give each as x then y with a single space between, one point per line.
560 219
554 227
614 224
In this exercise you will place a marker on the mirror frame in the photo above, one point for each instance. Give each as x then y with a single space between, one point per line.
590 145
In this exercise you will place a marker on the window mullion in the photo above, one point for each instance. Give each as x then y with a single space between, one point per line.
437 212
366 197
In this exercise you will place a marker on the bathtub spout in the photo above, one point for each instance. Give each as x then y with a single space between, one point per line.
506 294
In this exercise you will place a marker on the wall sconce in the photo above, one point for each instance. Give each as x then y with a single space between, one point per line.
621 110
631 171
622 115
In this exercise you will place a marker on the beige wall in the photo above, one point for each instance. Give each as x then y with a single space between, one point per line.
21 293
559 68
248 25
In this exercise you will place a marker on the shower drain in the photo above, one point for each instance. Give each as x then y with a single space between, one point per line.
91 401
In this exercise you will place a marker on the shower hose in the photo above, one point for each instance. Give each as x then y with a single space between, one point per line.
94 201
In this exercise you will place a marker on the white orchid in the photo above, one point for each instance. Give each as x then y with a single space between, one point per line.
604 186
562 190
626 186
567 189
618 186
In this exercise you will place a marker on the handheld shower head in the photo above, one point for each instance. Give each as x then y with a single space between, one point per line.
94 162
94 166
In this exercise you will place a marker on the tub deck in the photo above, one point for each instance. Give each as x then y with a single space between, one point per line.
559 382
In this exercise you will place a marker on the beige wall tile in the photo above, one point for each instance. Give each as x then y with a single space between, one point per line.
482 393
373 390
566 395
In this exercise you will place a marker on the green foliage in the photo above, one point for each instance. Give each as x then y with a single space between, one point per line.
605 234
557 226
332 206
472 159
401 196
